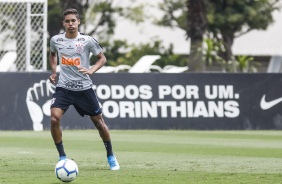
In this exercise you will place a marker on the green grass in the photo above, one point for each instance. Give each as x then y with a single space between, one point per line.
149 157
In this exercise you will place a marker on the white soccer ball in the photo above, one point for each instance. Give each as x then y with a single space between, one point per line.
66 170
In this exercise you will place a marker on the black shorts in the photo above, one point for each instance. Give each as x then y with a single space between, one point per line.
85 102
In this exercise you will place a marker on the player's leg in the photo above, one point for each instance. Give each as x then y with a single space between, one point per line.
101 127
105 135
56 115
61 101
88 105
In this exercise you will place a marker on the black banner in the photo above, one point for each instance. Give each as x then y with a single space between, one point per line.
207 101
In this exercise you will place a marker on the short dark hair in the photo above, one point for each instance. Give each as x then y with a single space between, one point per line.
71 11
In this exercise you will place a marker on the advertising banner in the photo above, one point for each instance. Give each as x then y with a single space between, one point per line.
200 101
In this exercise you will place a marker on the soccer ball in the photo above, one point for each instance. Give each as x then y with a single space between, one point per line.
66 170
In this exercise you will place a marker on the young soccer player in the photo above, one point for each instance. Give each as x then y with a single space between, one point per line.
74 86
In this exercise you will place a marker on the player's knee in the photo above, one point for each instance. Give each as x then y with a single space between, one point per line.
98 121
98 125
55 121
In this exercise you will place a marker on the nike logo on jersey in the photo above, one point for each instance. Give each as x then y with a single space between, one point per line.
267 105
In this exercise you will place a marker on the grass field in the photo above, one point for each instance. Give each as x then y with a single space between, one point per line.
149 157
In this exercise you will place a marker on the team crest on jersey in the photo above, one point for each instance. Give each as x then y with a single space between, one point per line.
79 48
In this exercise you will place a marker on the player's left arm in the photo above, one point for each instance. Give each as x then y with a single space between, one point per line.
100 62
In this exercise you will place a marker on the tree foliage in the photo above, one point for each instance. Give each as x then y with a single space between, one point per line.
229 19
212 56
55 17
175 14
190 16
226 19
120 52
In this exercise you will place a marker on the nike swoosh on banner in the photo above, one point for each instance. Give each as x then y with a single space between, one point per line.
267 105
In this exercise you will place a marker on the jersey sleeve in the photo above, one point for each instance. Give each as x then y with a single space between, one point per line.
52 45
95 47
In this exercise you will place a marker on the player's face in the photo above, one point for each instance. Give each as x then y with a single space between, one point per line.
71 23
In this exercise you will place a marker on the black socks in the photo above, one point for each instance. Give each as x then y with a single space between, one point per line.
108 146
60 148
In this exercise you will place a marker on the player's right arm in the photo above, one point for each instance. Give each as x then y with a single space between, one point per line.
53 64
53 60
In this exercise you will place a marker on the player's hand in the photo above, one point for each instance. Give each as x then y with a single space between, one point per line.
85 70
53 77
